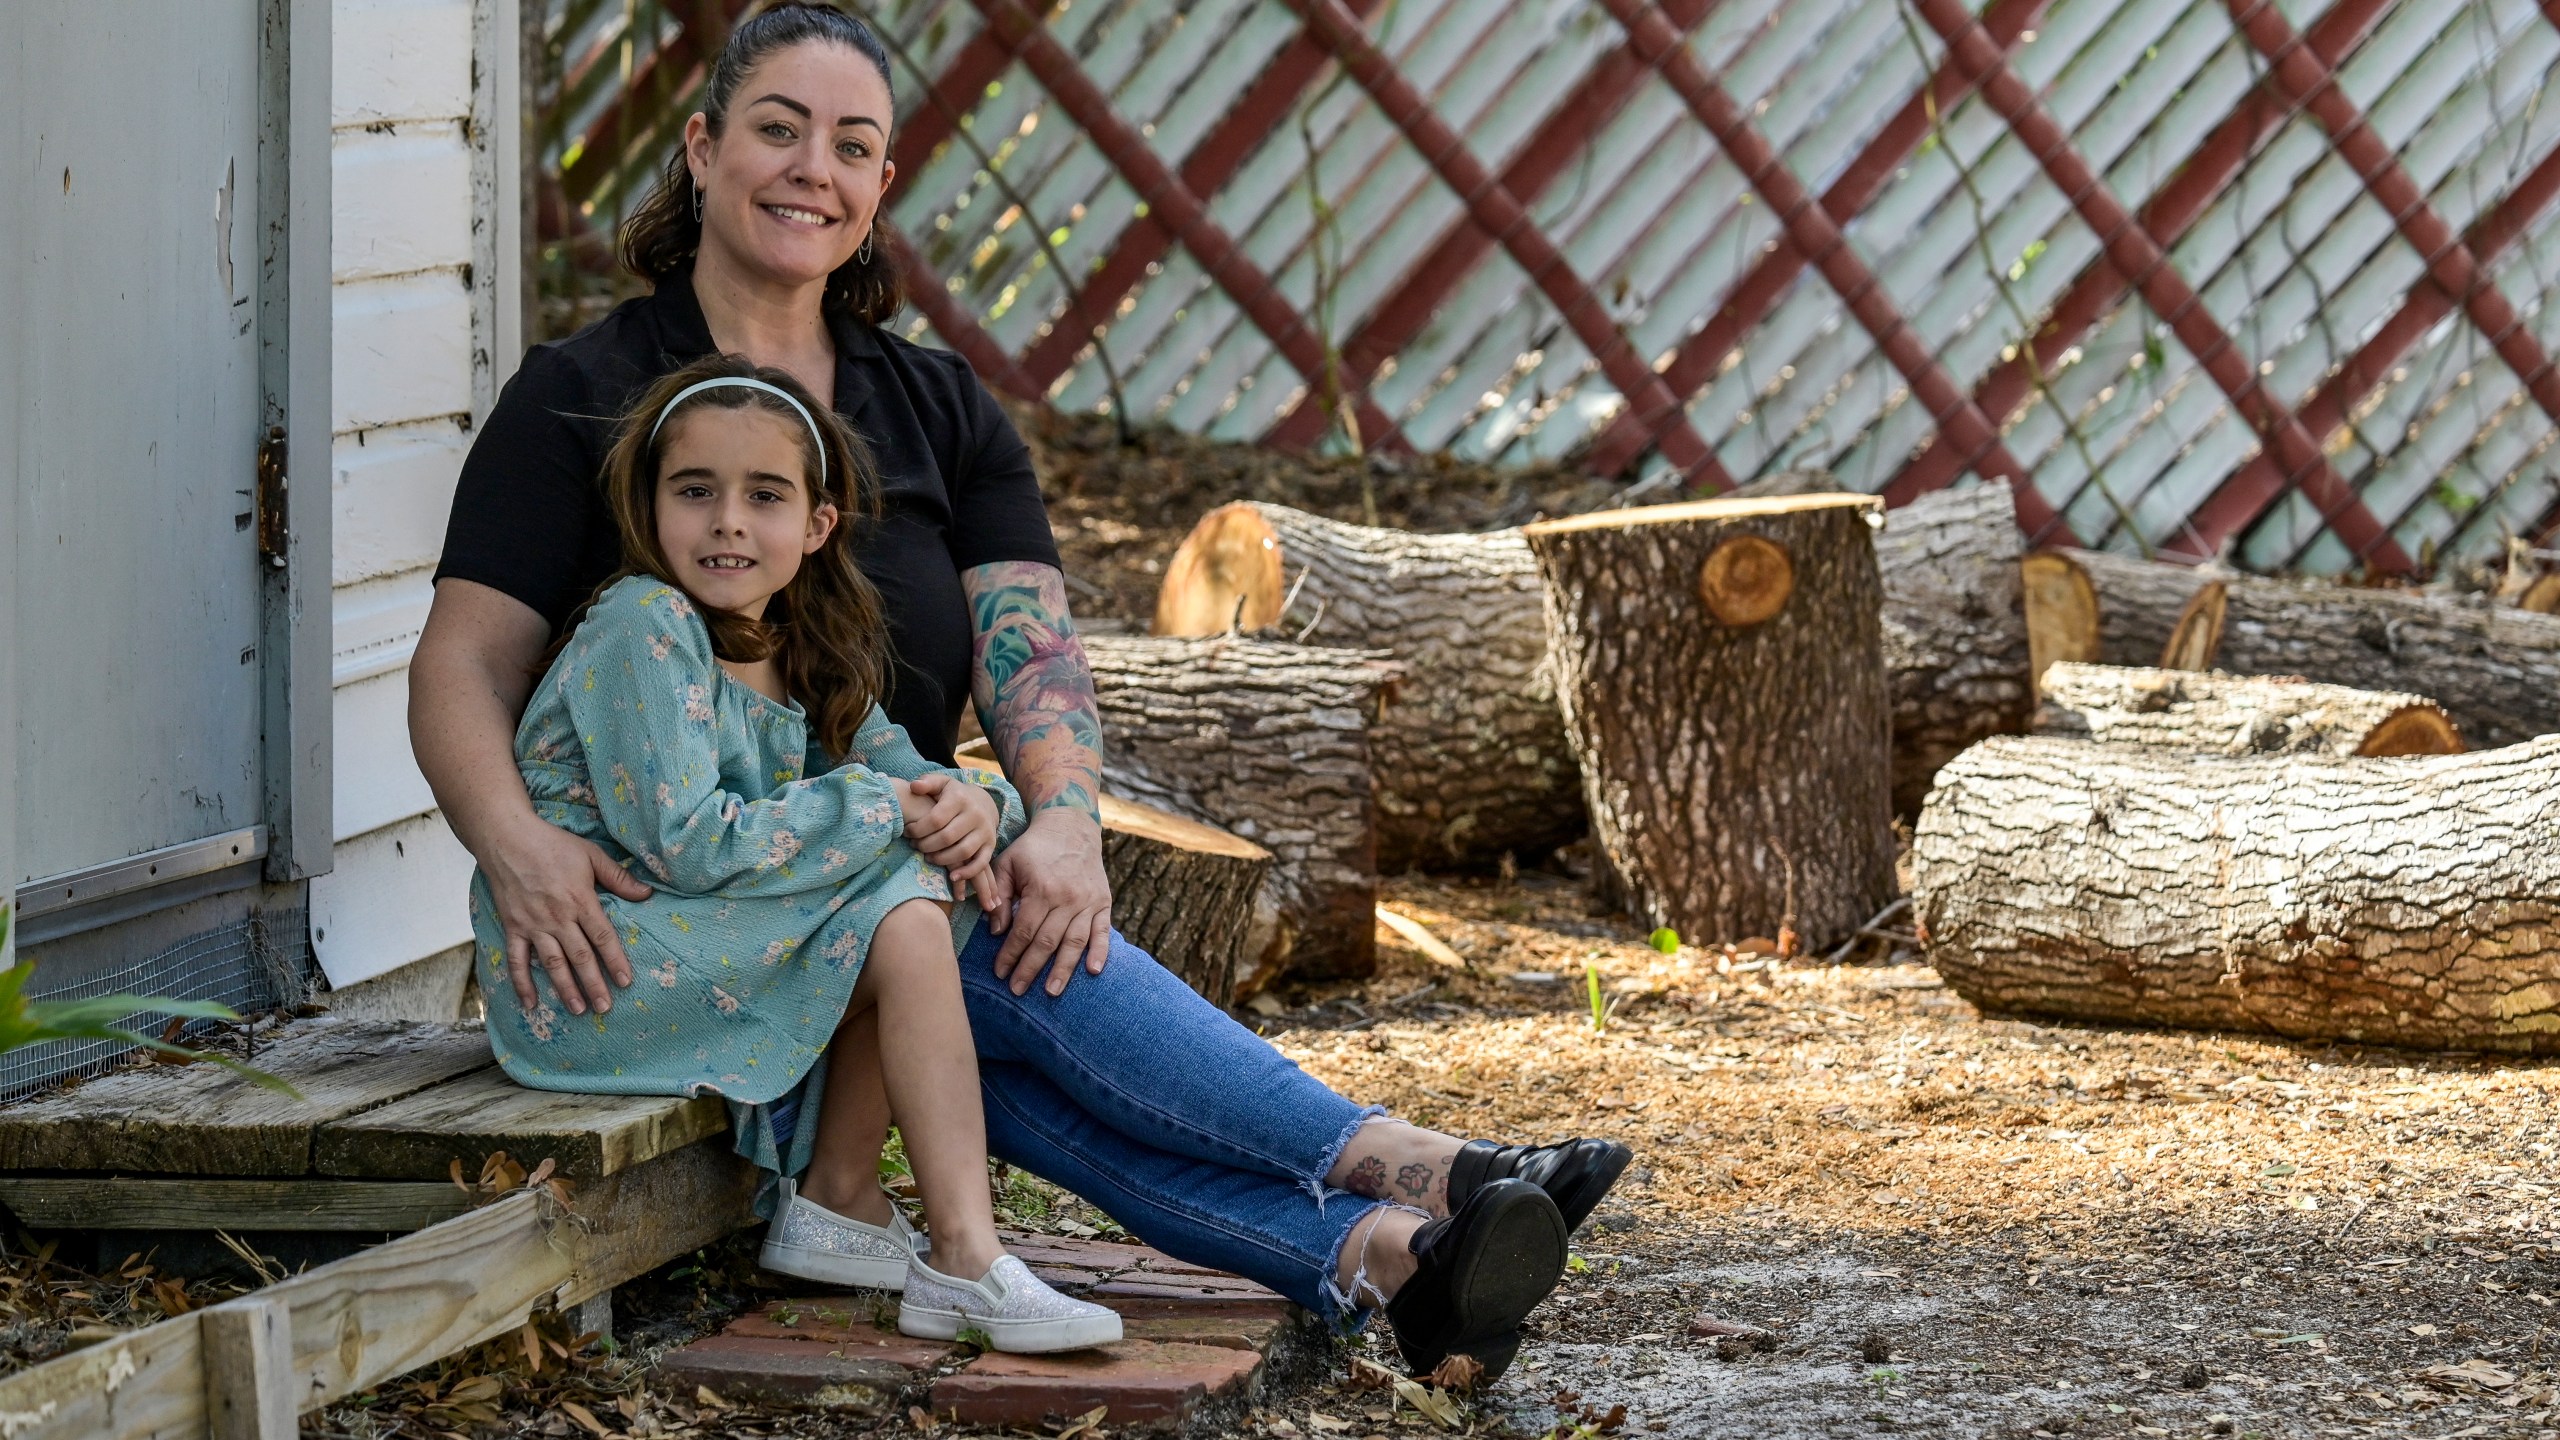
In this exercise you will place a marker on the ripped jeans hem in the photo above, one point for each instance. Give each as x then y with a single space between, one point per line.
1315 1183
1349 1311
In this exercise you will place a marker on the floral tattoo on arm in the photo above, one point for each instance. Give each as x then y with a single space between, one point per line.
1033 686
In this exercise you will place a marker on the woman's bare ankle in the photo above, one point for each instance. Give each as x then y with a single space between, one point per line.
1377 1257
1392 1160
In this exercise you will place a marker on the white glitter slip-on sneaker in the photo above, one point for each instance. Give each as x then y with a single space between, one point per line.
815 1243
1019 1314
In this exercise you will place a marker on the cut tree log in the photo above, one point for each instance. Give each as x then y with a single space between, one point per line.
1736 773
1187 893
2238 714
2494 668
2062 610
1270 741
1471 760
2409 901
1956 649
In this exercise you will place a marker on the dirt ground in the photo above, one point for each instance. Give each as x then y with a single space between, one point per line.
1970 1226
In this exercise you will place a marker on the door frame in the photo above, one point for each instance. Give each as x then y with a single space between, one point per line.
294 486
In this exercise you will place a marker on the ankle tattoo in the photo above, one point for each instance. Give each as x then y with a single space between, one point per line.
1415 1181
1368 1178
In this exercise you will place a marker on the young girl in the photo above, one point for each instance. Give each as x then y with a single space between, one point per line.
686 725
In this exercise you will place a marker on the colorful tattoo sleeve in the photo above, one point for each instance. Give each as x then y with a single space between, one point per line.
1033 686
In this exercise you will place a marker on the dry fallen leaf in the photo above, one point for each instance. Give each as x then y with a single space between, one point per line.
1435 1405
1457 1373
1325 1422
586 1418
2472 1374
704 1396
1087 1424
1368 1374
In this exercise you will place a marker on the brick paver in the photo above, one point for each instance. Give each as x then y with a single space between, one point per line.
1136 1382
1193 1336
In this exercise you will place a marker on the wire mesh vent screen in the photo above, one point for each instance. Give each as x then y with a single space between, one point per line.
251 964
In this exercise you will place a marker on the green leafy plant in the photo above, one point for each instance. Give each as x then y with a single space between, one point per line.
1666 940
25 1022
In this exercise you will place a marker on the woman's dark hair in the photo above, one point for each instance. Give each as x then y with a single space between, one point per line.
661 237
826 627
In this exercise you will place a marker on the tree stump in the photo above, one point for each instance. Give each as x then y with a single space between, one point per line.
2238 714
1721 669
1471 760
1955 631
1187 893
1270 741
2402 902
2494 668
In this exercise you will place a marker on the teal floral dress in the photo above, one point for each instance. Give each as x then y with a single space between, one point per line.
769 876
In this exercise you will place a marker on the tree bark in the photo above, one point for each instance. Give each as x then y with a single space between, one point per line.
2494 669
1187 893
2222 714
1736 770
1471 760
1955 630
1270 741
2401 902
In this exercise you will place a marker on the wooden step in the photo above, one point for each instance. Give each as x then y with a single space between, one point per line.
92 1202
420 1136
204 1120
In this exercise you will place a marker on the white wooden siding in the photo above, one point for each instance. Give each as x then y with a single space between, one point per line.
423 247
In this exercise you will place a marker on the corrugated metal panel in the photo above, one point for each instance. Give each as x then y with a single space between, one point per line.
2295 265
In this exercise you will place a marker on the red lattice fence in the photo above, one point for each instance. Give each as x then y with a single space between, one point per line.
2265 275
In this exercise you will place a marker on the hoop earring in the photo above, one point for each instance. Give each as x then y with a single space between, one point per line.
697 200
864 254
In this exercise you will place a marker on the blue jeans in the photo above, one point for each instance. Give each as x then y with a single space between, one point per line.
1179 1123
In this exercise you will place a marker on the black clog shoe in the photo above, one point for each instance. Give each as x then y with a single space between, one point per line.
1576 1174
1483 1267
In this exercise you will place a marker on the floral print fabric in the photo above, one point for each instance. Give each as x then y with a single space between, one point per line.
769 878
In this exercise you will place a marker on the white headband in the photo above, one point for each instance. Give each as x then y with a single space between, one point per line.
748 383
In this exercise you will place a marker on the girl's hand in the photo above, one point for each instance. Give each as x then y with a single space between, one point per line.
953 824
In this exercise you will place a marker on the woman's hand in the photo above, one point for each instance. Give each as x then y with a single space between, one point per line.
953 824
1063 908
475 665
544 880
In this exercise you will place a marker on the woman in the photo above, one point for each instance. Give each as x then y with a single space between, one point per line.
1124 1087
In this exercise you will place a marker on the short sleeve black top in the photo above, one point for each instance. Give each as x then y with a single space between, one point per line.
957 486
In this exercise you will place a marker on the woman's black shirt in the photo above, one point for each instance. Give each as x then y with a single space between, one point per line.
957 487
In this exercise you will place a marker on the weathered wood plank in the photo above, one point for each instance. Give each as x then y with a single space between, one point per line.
203 1120
652 1213
361 1320
419 1137
122 1203
248 1387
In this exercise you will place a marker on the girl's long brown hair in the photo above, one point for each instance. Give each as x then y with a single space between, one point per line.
825 628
